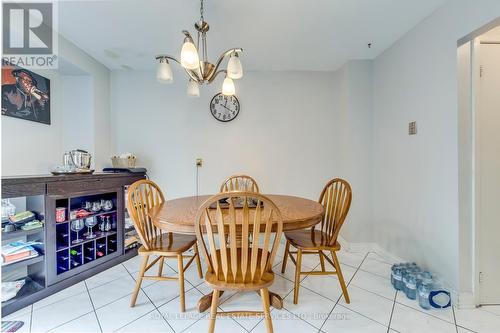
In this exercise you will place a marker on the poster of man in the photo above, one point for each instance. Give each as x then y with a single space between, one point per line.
25 95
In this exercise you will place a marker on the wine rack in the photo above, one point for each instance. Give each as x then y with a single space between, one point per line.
90 234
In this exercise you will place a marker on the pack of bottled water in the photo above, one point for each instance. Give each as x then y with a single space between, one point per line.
421 285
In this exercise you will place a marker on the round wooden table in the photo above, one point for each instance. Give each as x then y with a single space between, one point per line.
178 216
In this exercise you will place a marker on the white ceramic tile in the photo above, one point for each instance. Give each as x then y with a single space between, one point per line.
65 293
477 320
285 321
376 256
377 267
23 315
244 301
405 319
191 274
352 259
464 330
86 323
55 314
178 320
222 324
444 314
151 322
119 313
164 291
311 307
108 275
133 264
325 285
112 291
344 320
290 270
495 309
374 283
371 305
281 286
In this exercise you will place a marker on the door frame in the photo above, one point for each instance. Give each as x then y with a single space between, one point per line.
468 168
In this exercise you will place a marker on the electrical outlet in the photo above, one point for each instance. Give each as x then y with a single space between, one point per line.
199 162
412 128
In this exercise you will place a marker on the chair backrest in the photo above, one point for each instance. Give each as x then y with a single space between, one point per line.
336 199
249 228
239 183
142 196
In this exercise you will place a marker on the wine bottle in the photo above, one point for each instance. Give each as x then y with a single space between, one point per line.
99 253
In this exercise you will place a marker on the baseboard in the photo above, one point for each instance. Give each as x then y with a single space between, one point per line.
466 300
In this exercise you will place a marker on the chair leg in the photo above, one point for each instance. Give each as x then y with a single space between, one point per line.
213 310
285 259
180 266
321 260
198 261
139 281
160 266
264 294
341 277
297 277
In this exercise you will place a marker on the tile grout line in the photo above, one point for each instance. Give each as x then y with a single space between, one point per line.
156 308
93 307
342 294
392 311
31 318
454 317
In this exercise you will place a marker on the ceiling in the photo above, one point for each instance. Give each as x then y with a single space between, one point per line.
317 35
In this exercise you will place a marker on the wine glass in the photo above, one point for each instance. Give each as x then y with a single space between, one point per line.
96 206
90 223
108 205
76 226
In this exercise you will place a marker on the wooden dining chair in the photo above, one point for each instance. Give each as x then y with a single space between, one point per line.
336 199
239 264
239 183
142 196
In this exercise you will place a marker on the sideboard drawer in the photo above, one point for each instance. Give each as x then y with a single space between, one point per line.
77 186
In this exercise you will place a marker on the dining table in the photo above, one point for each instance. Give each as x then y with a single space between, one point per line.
178 216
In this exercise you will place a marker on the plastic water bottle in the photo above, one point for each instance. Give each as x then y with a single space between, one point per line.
398 278
423 295
393 269
411 285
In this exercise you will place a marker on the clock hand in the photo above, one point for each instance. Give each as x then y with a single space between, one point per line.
226 107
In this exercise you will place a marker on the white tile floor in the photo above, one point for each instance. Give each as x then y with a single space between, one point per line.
101 304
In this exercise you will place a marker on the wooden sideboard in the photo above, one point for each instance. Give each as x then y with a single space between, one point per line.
68 255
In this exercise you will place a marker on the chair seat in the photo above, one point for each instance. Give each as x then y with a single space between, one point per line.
237 283
169 243
307 240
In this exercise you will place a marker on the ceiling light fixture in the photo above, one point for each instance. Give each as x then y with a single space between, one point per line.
201 71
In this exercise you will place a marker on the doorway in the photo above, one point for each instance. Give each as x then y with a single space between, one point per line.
488 165
479 166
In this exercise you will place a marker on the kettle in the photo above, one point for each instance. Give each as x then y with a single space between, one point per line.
78 158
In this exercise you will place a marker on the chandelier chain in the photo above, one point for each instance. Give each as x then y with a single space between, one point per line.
201 10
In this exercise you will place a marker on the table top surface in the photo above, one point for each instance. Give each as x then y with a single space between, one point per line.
178 215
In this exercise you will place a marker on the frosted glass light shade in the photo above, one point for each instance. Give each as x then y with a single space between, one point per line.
228 87
189 55
193 89
234 68
164 72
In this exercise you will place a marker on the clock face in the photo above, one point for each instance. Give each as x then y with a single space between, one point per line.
224 108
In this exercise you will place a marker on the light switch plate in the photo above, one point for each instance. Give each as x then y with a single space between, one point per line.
412 128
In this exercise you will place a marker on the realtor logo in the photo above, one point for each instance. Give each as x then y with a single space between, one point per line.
29 37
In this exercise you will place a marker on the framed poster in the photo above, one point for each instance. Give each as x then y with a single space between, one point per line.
25 95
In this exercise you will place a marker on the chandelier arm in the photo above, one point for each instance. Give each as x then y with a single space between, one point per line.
166 56
193 75
215 75
225 54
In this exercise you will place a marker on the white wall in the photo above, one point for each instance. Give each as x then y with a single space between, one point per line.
295 131
415 198
34 148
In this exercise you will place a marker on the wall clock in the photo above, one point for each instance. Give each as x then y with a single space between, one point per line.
224 108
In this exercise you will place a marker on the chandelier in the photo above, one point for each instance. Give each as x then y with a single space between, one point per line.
201 71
